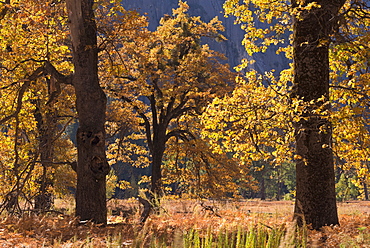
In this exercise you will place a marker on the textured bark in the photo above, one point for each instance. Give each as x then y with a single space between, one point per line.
92 166
315 192
159 144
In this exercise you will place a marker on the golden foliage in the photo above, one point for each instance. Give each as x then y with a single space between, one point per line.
35 109
159 81
349 85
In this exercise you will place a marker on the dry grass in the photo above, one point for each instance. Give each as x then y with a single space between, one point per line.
175 218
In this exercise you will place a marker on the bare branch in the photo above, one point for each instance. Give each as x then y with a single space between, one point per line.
54 163
348 88
8 86
131 78
50 69
20 63
62 130
181 134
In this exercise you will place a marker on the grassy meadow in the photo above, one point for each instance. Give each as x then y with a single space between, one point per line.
187 223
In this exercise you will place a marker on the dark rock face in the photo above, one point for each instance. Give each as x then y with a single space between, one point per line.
232 48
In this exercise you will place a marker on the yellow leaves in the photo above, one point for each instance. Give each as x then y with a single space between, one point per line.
144 179
363 173
253 122
183 7
122 184
34 31
251 13
64 49
349 91
173 72
200 171
302 6
297 157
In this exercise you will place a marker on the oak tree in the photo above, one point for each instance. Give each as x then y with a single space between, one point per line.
47 57
317 29
92 166
167 77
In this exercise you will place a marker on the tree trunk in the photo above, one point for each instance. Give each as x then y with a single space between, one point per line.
315 193
92 166
159 144
366 191
279 189
46 130
262 188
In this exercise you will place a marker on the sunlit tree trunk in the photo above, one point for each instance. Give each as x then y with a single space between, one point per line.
315 192
92 166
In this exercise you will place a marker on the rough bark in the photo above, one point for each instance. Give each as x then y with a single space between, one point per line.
92 166
315 193
159 144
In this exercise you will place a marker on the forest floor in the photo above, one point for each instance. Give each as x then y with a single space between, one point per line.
173 219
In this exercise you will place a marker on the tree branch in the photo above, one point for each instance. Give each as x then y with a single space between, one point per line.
170 105
154 111
131 78
349 88
22 62
62 130
146 123
48 68
179 110
181 134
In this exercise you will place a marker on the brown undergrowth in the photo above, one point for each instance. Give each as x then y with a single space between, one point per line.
175 218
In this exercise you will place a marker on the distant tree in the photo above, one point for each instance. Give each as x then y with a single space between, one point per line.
167 77
345 188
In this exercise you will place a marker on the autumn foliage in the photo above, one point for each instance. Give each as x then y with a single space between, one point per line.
175 106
